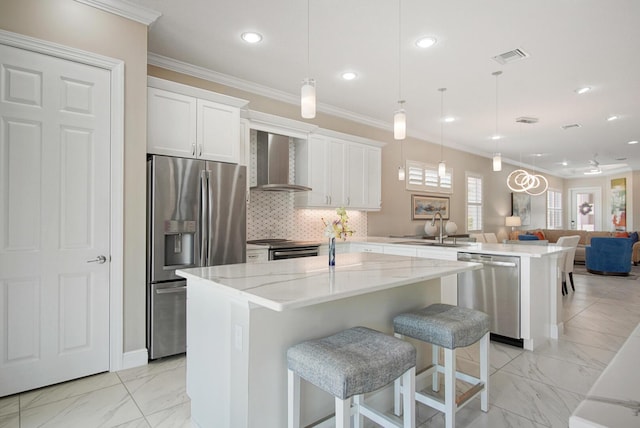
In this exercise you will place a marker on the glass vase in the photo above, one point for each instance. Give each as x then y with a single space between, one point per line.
332 251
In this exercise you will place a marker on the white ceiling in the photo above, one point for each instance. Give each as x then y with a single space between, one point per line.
571 43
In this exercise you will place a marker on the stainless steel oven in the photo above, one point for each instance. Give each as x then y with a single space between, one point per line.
280 249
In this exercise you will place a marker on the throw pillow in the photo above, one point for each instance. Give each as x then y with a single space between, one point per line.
539 234
621 235
528 237
634 236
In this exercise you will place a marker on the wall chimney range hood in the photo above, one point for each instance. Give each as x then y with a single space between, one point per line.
272 167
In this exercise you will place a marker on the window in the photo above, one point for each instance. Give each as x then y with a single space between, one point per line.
554 209
474 203
424 178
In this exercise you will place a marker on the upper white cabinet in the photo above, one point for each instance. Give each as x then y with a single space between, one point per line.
191 122
341 173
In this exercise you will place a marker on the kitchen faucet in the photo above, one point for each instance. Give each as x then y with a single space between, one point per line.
433 223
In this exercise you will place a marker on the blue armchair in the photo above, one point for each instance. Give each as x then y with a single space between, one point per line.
609 256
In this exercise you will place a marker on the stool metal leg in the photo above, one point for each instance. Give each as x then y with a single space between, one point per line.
293 398
484 372
343 413
435 358
450 388
358 419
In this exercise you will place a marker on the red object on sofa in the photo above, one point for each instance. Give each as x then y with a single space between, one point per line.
621 235
540 235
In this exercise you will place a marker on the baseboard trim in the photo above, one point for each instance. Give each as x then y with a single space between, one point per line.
135 358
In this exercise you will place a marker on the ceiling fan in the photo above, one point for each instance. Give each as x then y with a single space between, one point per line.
597 168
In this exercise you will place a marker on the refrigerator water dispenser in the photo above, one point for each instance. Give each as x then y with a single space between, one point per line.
179 240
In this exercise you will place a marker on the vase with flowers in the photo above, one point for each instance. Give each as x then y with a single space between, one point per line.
336 229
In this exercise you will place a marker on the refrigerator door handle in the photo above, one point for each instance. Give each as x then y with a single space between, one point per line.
204 203
210 200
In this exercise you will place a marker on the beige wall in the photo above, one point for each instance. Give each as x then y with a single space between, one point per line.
73 24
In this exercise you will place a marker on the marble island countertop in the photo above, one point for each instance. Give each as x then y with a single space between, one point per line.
287 284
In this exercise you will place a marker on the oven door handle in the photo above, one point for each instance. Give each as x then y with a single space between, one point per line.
295 253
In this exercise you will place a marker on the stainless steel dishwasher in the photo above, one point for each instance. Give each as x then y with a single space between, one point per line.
494 290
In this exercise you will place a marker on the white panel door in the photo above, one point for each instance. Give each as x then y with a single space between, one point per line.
54 219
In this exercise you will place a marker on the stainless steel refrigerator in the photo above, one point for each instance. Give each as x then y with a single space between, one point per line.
196 216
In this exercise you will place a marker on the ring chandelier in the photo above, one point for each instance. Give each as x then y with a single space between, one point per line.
522 181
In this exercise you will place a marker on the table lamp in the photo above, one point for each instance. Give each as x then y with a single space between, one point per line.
513 221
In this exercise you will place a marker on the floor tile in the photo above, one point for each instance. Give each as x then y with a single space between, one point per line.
10 421
472 417
138 423
9 405
543 404
107 407
551 371
574 333
154 367
175 417
159 391
577 353
60 391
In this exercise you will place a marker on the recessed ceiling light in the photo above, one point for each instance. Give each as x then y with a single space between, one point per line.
565 163
633 142
426 42
612 118
583 90
251 37
496 137
349 75
449 119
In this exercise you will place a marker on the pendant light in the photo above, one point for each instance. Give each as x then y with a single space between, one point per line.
308 90
497 157
400 117
442 167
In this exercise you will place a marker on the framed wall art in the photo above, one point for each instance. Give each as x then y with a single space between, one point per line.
521 207
425 207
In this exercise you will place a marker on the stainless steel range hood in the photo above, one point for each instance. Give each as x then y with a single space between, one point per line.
272 168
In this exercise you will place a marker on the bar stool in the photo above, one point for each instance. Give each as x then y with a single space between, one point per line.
449 327
349 364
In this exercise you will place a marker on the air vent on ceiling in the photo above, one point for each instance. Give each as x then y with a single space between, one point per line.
511 56
572 125
524 119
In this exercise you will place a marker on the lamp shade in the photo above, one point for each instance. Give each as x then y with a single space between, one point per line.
497 162
308 99
400 125
513 221
442 169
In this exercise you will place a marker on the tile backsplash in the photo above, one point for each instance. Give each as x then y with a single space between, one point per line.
273 215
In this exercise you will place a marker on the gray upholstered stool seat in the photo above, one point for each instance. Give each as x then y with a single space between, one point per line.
351 363
449 327
443 325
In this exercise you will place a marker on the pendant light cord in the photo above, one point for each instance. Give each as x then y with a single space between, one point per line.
308 38
441 120
399 50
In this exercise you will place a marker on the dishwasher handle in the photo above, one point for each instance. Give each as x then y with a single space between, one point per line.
485 261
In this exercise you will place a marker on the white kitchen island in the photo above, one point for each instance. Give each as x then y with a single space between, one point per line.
242 318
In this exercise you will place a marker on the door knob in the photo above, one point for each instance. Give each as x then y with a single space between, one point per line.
100 259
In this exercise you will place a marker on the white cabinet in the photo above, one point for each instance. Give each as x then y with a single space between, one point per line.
181 124
171 123
341 173
257 255
359 247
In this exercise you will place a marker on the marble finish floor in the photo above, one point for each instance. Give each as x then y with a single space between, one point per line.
527 389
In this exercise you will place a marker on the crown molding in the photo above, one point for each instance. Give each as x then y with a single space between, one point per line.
126 9
245 85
